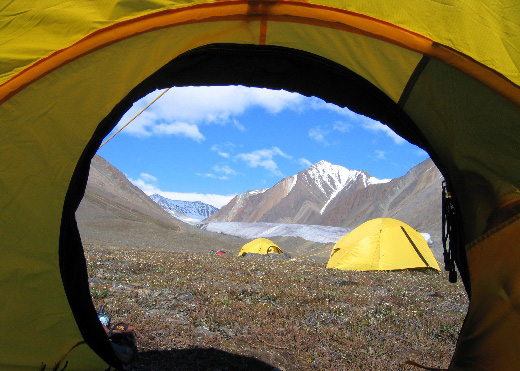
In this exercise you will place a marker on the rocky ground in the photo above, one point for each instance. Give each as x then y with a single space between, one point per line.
200 311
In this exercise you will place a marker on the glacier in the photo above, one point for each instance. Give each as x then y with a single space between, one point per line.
314 233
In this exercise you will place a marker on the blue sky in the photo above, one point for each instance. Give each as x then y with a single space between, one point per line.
211 143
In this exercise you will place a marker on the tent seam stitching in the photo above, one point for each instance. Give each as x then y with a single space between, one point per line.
413 80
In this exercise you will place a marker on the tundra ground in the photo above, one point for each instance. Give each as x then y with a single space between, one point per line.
199 311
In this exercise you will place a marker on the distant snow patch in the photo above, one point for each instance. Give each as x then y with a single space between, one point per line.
428 238
294 178
255 192
332 196
184 219
373 180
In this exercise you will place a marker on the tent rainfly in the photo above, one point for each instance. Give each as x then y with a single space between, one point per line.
382 244
260 246
445 75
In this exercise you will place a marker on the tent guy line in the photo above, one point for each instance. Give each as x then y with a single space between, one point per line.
133 118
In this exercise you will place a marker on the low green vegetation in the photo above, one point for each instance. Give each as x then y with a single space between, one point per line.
291 315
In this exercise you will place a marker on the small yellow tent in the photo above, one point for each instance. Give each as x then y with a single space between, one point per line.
382 244
260 246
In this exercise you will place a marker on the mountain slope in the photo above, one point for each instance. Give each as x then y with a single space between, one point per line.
300 199
327 194
114 212
414 198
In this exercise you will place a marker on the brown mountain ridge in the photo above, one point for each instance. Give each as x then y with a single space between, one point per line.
116 213
327 194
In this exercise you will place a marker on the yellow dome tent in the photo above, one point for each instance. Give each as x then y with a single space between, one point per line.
443 74
260 246
382 244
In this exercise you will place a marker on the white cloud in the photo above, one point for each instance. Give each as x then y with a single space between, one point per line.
376 126
211 175
223 150
203 105
220 152
224 169
146 187
148 125
264 158
179 128
380 155
148 177
365 122
304 162
211 199
274 100
318 134
182 110
318 104
238 125
342 127
278 151
140 127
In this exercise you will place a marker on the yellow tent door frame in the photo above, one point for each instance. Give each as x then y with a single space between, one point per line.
217 64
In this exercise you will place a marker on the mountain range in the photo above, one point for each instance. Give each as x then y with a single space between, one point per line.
328 194
187 211
299 199
114 212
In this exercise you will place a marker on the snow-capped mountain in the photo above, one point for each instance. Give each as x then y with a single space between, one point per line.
329 177
187 211
331 195
301 198
414 198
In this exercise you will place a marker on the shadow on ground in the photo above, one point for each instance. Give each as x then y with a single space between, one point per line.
197 359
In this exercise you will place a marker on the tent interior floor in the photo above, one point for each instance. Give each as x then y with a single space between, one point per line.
203 311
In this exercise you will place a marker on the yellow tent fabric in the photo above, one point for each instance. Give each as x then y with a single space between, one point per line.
382 244
260 246
491 326
444 75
